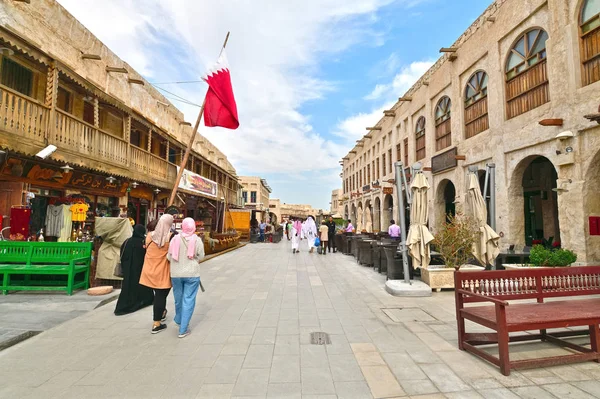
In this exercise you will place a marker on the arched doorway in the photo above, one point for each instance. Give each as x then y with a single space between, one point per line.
346 214
445 200
377 216
591 207
534 183
388 211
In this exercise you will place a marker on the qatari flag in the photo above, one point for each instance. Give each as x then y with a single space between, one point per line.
219 107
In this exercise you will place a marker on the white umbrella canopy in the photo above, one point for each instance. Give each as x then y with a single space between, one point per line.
368 220
359 220
419 236
485 248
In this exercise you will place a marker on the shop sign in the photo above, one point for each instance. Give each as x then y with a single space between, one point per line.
195 183
142 192
52 176
250 207
366 188
388 190
444 161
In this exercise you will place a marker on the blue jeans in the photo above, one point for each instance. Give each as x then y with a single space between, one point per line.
184 291
262 236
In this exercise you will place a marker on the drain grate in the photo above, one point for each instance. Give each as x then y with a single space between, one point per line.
320 338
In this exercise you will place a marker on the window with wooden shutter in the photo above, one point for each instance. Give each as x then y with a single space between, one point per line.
383 163
590 41
398 153
476 104
406 152
420 139
443 134
526 73
17 77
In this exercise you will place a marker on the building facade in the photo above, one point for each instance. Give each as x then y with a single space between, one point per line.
336 207
255 196
519 89
118 141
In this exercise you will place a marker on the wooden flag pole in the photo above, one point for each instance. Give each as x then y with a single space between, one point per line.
186 155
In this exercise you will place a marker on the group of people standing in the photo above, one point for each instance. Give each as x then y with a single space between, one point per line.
152 264
298 230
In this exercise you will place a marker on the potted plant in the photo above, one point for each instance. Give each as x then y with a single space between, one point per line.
454 241
542 256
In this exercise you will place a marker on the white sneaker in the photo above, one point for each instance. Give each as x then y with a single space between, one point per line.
185 334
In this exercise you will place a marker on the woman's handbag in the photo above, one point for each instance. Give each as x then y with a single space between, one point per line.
118 272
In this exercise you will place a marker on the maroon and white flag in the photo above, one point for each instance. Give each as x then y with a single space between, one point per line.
220 108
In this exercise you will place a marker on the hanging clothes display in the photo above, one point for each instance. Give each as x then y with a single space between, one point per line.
114 231
19 221
65 231
79 212
54 220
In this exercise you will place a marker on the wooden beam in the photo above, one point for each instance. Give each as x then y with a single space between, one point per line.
23 1
374 128
427 169
448 50
389 113
185 123
551 122
460 157
491 19
352 152
90 56
116 69
593 117
452 57
426 83
368 136
136 81
405 98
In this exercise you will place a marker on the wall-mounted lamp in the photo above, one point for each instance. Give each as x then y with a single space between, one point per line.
111 179
7 52
67 168
135 184
569 150
565 135
156 190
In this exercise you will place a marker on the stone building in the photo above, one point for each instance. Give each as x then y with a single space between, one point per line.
336 207
118 140
255 196
519 89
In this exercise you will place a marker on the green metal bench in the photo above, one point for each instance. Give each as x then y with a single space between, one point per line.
20 261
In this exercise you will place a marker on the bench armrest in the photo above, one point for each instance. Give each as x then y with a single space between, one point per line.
79 260
486 298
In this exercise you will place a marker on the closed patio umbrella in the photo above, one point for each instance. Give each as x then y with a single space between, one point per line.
419 236
485 248
368 221
359 221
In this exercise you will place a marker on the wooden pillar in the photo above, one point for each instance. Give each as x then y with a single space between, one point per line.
127 137
51 133
150 140
95 139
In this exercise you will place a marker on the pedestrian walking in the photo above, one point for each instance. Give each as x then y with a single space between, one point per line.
288 229
185 251
324 236
262 227
156 273
349 227
133 296
394 230
331 235
296 236
310 233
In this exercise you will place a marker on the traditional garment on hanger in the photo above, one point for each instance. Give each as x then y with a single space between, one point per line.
19 221
54 220
79 212
114 231
65 232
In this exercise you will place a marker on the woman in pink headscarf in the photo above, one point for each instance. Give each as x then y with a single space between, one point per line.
296 235
185 251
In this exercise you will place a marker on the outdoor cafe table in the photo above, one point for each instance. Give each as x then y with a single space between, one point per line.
506 257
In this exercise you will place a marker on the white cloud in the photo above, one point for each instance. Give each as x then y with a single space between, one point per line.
401 82
274 52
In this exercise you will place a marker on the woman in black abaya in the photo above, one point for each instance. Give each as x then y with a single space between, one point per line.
133 295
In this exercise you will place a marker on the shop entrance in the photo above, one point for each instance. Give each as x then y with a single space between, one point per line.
445 201
137 209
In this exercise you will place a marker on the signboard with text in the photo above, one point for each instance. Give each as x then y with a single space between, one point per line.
195 183
444 161
388 190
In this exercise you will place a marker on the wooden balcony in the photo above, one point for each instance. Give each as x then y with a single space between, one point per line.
29 122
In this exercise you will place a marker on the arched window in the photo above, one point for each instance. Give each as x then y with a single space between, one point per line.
420 138
590 39
526 73
476 106
443 136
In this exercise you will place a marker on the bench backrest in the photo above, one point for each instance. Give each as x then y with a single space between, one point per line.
14 252
43 252
532 283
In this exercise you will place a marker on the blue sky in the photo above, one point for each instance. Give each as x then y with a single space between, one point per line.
309 75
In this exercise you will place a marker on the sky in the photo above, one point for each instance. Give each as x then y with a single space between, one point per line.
308 75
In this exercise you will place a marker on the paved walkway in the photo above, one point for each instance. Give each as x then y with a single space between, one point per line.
251 339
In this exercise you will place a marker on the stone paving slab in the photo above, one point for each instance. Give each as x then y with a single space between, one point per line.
251 339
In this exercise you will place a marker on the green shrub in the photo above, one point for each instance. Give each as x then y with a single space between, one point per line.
542 256
454 240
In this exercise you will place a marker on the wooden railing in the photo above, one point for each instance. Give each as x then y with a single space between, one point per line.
22 116
74 134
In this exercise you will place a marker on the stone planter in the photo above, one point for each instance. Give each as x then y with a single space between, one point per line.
519 266
438 277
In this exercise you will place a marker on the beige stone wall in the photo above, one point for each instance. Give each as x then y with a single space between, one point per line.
509 144
63 38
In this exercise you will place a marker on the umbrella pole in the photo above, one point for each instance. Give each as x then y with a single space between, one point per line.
402 218
492 171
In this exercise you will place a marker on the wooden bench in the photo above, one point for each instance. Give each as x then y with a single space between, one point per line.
20 260
499 287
